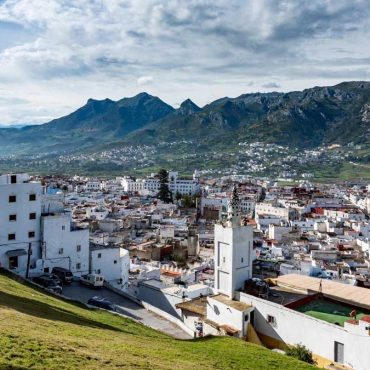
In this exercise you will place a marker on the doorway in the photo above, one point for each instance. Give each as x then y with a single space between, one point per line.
252 317
339 352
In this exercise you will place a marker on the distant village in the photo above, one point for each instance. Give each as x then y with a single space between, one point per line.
285 163
221 254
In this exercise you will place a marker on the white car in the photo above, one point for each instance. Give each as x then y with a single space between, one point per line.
93 280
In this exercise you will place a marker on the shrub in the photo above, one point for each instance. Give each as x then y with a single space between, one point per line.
301 352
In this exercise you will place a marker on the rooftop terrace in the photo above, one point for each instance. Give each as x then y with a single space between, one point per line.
330 311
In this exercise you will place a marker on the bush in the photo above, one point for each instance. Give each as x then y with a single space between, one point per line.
301 352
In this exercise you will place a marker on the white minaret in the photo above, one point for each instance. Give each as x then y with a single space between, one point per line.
233 247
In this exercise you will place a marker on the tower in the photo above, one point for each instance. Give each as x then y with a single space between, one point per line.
233 247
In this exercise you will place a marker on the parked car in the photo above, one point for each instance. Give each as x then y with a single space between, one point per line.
102 303
64 275
49 284
93 280
52 277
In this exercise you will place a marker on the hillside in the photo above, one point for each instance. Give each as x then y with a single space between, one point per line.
41 332
308 118
97 122
143 133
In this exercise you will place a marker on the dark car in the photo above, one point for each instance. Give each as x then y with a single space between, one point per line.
63 274
52 277
48 284
102 303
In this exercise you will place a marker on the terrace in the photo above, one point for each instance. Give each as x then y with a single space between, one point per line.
333 302
329 310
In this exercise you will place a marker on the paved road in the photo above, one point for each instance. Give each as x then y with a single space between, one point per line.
125 306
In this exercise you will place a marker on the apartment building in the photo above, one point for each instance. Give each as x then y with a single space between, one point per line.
20 212
64 244
176 184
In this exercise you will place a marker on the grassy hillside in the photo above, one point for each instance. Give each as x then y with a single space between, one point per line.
39 331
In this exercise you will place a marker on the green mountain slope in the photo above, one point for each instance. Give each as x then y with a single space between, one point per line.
38 331
321 115
98 122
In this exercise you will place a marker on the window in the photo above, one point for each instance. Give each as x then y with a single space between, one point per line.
33 216
63 227
78 266
12 198
115 261
60 250
223 259
31 234
78 248
32 197
246 317
13 179
99 255
11 236
12 217
98 271
242 259
271 320
13 262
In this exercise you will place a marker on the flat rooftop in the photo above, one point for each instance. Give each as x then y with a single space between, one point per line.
237 305
345 293
197 305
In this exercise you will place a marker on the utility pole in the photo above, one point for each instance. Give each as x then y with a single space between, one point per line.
28 260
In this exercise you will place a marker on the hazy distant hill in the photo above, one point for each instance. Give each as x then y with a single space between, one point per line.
98 122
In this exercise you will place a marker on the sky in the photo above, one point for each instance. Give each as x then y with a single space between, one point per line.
56 54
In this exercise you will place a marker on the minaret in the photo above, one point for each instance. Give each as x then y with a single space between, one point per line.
234 210
233 247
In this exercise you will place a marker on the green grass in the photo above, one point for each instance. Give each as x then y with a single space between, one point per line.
329 311
41 332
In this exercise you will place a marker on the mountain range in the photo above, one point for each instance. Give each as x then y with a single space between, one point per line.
310 118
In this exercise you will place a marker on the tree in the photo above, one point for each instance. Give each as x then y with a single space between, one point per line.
164 193
188 201
301 352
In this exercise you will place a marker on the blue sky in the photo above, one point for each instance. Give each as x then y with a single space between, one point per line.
54 55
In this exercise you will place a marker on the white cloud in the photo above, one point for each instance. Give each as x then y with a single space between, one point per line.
145 80
62 52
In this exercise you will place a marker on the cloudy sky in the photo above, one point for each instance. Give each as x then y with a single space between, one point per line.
55 54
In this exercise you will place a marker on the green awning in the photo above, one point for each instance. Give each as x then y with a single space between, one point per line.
16 252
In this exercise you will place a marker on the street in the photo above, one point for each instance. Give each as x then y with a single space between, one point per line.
125 306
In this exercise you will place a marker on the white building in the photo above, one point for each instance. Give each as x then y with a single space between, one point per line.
151 184
97 213
130 185
268 209
20 211
182 185
111 262
233 246
63 244
93 186
280 325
